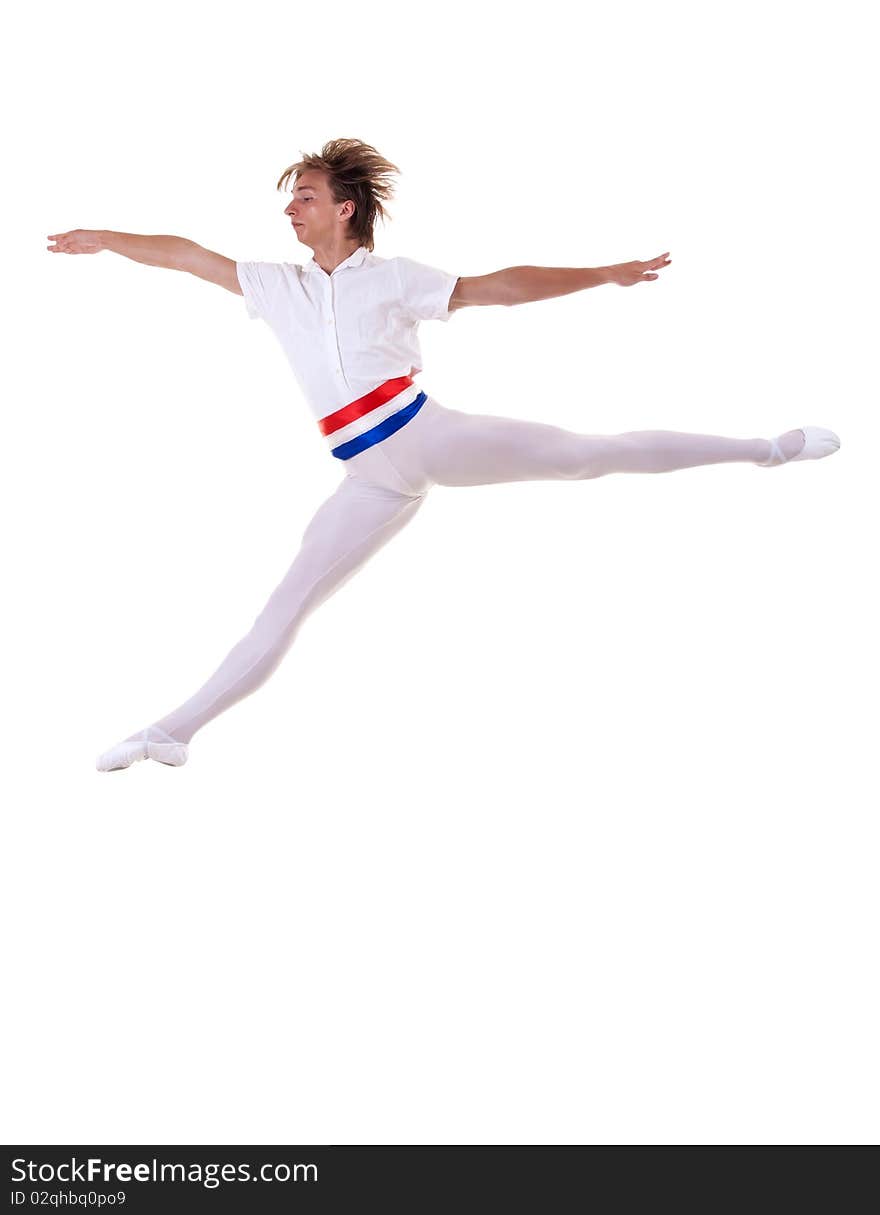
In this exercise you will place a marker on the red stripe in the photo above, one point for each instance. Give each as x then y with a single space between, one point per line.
357 409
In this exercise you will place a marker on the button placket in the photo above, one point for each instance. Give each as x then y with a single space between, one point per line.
336 351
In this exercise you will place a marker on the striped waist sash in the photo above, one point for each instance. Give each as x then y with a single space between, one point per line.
372 418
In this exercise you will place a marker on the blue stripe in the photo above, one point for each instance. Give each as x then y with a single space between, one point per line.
346 450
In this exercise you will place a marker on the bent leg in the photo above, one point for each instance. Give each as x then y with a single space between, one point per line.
348 528
480 449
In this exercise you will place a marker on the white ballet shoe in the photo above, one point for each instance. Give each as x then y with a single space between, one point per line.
818 442
153 743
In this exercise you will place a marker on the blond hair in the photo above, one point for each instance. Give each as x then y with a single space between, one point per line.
355 171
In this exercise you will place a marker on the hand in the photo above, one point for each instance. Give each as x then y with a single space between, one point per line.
628 273
80 240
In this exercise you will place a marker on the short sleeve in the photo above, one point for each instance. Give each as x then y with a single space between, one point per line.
259 282
425 291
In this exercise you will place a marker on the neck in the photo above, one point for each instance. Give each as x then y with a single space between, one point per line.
329 256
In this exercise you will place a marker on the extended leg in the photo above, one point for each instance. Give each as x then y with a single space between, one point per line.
348 528
479 449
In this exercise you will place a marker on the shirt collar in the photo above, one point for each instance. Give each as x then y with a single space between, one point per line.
354 259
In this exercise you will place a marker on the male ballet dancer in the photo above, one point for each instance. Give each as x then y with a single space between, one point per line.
348 323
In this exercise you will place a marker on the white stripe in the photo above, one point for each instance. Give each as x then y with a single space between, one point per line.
373 418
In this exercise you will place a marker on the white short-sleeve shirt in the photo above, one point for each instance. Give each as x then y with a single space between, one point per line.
347 332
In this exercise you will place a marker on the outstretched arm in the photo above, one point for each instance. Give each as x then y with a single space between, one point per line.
169 252
525 284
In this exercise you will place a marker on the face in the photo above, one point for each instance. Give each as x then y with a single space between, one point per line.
317 220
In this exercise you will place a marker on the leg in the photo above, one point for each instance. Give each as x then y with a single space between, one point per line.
479 449
349 527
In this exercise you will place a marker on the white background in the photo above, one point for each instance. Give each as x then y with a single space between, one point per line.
558 824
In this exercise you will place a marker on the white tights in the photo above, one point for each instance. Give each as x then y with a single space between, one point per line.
383 488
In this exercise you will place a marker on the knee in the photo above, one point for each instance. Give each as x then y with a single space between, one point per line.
584 459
